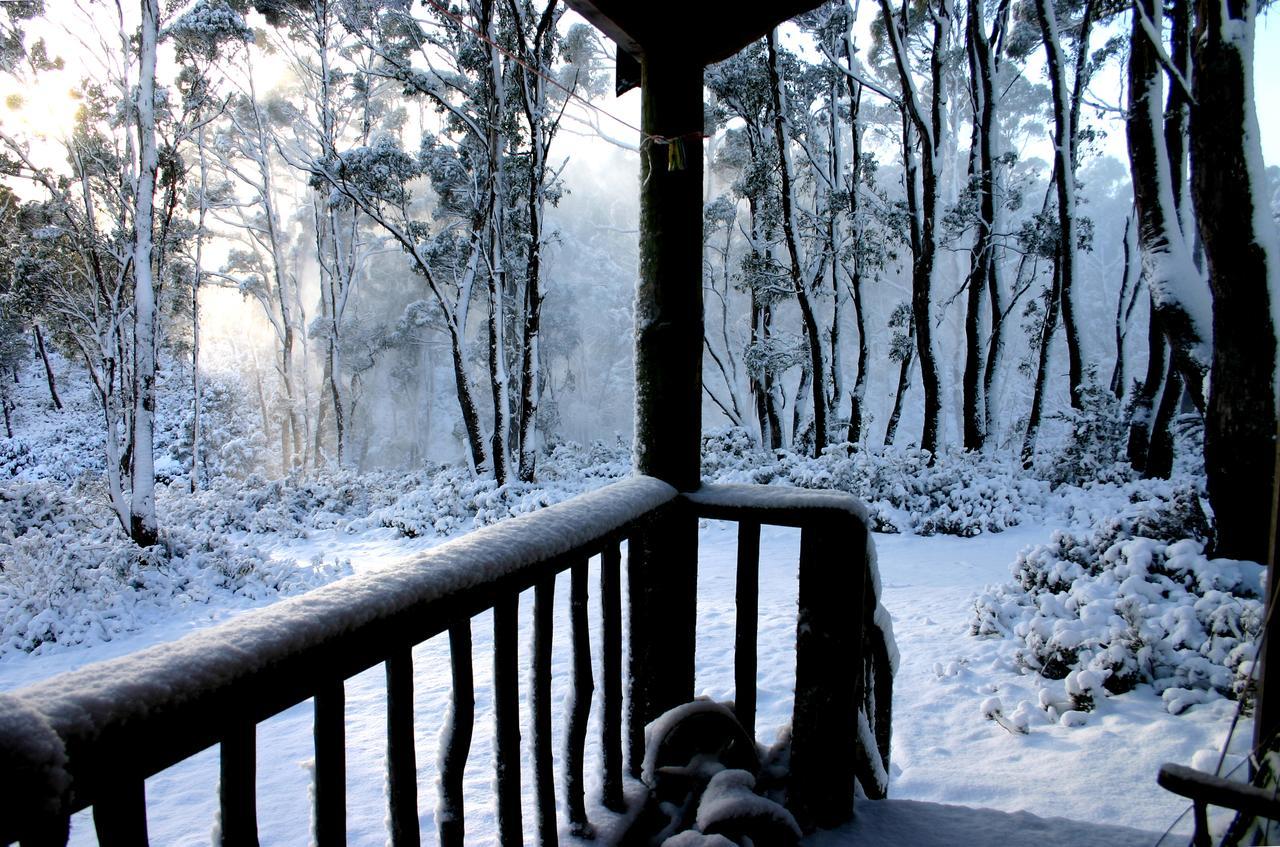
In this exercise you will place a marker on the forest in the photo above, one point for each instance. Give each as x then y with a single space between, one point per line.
914 220
280 277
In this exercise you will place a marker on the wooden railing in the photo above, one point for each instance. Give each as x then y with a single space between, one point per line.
91 737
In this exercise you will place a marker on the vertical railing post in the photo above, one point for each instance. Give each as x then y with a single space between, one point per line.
611 664
580 706
506 711
237 786
402 762
829 672
456 739
747 602
330 807
120 815
544 783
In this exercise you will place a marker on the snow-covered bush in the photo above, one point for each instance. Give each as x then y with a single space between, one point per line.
291 506
1093 450
1126 604
448 499
957 493
68 575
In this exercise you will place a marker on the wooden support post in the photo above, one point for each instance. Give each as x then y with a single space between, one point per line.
669 297
662 567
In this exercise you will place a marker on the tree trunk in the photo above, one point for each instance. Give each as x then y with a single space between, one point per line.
923 204
1042 368
904 382
1065 118
142 509
812 333
1160 453
857 397
982 263
1124 309
1144 403
1243 259
1177 291
48 370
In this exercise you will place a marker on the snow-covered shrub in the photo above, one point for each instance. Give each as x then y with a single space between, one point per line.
1126 604
956 493
1094 448
448 499
68 575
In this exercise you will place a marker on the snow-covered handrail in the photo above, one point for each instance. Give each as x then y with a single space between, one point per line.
122 720
840 721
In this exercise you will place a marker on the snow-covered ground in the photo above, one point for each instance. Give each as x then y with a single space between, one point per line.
944 749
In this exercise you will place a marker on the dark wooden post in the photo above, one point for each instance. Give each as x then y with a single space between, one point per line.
669 299
663 560
829 670
1266 720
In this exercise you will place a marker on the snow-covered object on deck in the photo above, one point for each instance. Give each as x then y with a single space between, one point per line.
693 838
731 807
681 737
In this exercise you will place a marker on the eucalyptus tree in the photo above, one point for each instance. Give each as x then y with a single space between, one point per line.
806 237
923 123
535 35
1180 309
742 89
1069 76
207 31
1242 256
983 49
96 247
483 72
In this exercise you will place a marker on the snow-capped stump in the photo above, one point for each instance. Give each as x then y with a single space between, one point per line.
730 807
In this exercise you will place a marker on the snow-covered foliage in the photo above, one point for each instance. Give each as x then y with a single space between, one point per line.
1133 600
70 575
956 494
66 444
